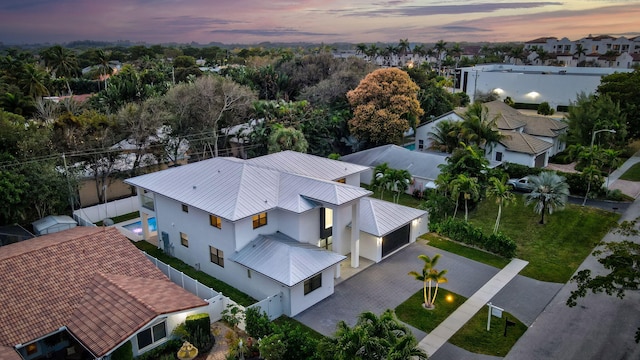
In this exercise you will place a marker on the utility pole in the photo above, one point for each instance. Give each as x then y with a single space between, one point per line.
71 195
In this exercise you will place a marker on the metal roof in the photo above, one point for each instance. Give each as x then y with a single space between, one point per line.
235 189
284 259
380 218
418 163
309 165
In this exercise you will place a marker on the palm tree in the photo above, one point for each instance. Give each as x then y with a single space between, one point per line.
549 193
592 174
61 62
579 52
445 136
380 177
403 48
469 188
428 275
456 52
611 160
361 48
372 52
500 191
479 129
440 48
33 81
398 181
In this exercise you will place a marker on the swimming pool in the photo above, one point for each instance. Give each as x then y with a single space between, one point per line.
136 227
410 146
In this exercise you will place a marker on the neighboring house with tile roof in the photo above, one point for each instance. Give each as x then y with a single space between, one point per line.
280 223
85 291
529 140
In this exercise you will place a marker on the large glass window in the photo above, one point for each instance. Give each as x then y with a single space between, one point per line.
259 220
217 256
313 284
151 335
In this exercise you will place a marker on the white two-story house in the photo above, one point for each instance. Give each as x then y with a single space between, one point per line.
280 223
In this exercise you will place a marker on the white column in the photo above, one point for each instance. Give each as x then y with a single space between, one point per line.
355 235
145 225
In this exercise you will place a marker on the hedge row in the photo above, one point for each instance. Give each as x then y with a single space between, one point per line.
466 233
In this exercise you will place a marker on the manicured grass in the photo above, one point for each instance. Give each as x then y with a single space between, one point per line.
304 328
405 199
474 336
633 174
121 218
484 257
412 312
554 250
220 286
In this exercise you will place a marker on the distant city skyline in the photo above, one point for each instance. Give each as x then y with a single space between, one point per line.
315 21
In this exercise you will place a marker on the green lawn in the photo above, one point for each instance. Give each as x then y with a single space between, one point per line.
121 218
412 312
484 257
556 249
473 336
220 286
633 174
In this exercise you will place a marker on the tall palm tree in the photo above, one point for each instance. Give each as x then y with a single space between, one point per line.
479 129
361 48
469 188
445 136
549 193
501 192
611 160
456 53
398 182
440 49
62 62
592 174
372 52
33 81
427 275
579 52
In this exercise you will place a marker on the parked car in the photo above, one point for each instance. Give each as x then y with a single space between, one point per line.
521 184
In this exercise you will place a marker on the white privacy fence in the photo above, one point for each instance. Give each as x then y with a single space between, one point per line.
272 305
93 214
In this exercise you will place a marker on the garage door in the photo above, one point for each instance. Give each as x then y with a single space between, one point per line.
396 240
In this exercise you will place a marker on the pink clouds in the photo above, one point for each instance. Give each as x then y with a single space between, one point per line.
252 21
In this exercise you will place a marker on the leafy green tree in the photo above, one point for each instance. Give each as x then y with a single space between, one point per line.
590 113
550 192
624 89
502 194
385 104
372 337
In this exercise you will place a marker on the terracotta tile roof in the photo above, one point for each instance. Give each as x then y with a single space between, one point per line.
8 353
53 276
541 40
524 143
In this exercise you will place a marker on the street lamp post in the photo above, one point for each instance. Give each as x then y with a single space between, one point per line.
593 136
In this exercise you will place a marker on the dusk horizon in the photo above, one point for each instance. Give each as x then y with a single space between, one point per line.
311 21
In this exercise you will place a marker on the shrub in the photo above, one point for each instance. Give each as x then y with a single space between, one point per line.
509 101
202 339
197 321
518 171
257 324
273 347
124 352
615 195
465 232
562 157
545 109
232 315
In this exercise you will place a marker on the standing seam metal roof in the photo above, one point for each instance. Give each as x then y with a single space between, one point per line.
284 259
379 218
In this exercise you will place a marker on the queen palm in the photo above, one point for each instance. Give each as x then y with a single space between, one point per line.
33 81
445 136
398 182
500 191
549 193
579 52
469 188
61 62
428 275
479 129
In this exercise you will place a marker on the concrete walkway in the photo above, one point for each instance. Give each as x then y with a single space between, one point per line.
441 334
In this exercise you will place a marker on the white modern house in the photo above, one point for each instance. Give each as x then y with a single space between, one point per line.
280 223
556 85
528 140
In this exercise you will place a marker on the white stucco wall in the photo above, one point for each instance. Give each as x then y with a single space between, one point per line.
369 247
300 301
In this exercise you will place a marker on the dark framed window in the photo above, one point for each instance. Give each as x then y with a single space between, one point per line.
259 220
215 221
313 284
184 239
151 335
420 144
217 256
32 348
185 208
498 156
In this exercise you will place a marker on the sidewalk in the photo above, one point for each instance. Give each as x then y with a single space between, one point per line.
441 334
630 188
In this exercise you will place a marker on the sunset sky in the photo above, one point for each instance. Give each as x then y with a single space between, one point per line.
252 21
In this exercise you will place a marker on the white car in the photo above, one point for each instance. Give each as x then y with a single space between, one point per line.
521 184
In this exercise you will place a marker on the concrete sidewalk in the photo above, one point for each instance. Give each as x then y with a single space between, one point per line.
441 334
